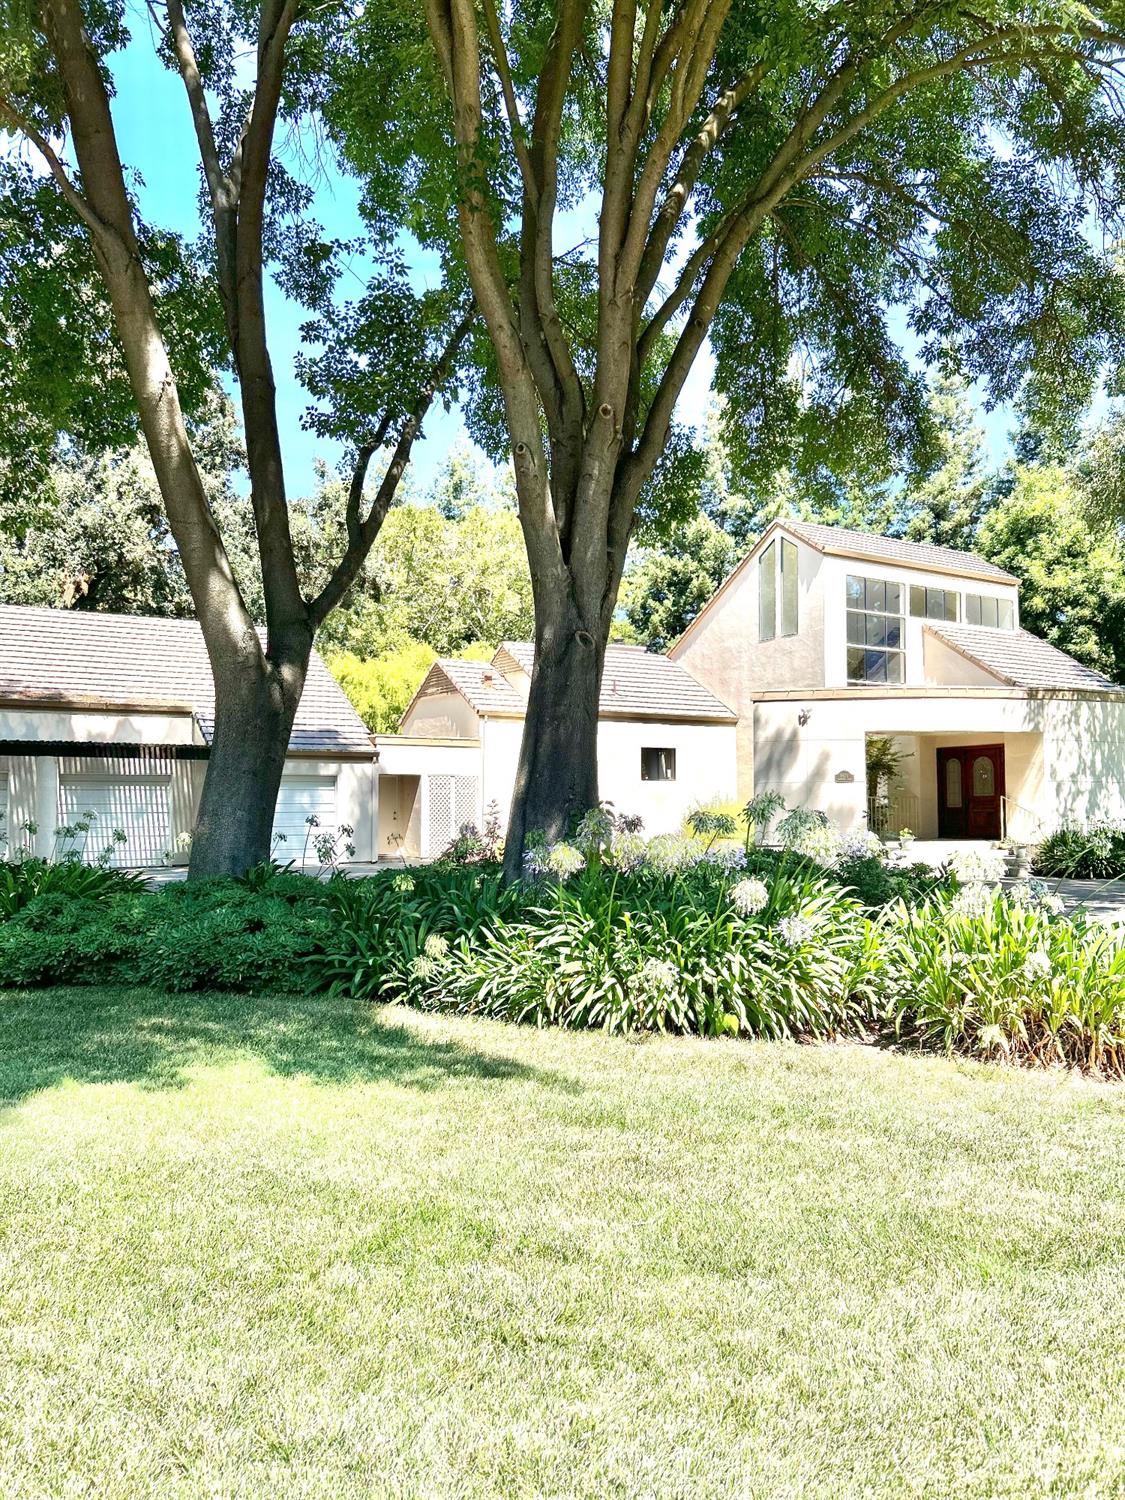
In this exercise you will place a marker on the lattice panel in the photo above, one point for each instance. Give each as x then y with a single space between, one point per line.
452 804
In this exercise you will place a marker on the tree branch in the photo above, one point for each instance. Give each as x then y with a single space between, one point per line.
363 532
20 124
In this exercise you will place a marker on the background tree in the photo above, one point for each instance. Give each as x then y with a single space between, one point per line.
55 82
946 507
776 179
1071 573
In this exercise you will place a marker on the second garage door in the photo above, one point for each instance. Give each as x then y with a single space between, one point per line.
301 798
137 806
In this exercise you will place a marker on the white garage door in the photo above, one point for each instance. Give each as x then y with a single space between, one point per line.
5 831
138 806
300 798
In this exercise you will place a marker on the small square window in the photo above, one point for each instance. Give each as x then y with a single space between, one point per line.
658 764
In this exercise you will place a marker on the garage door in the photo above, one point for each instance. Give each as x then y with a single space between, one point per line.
138 806
300 798
5 831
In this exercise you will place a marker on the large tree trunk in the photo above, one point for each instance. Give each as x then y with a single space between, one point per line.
255 703
557 774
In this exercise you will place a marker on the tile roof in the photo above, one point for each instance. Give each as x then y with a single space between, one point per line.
1020 659
483 686
60 656
841 540
639 684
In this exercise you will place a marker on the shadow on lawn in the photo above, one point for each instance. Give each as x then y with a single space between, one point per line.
152 1039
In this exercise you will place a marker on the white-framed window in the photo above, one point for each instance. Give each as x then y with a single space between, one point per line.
658 764
982 609
934 604
875 631
777 590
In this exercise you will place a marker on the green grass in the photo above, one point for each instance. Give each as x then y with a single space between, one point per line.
283 1248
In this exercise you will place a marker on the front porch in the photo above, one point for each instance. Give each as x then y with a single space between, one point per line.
966 787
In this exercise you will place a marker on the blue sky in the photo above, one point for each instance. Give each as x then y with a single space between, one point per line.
156 138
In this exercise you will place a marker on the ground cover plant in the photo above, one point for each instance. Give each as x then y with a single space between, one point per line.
256 1245
1093 853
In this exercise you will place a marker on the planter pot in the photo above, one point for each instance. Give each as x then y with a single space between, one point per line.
1019 864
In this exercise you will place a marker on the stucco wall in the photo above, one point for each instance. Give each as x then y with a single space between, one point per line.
441 716
1064 756
722 650
920 666
99 728
706 768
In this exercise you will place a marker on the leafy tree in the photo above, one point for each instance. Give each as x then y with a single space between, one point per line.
1072 574
670 584
160 313
380 687
947 506
776 179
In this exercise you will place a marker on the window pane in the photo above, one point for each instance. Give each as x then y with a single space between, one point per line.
892 635
855 664
894 666
917 601
855 592
658 764
767 594
972 609
876 630
894 598
875 666
855 627
1007 615
952 606
989 613
876 594
984 777
788 588
953 783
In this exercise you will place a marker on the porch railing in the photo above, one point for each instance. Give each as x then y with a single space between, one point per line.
888 814
1008 805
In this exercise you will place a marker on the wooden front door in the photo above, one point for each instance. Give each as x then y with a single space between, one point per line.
970 786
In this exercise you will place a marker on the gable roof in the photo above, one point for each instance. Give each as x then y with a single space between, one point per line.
484 687
84 658
636 684
842 541
1020 659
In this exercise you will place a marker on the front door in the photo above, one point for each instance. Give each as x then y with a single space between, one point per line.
970 786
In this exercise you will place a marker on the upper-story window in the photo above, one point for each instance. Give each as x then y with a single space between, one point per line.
875 649
934 604
777 590
981 609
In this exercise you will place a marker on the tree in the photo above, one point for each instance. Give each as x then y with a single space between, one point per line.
774 179
947 506
55 82
1072 574
671 583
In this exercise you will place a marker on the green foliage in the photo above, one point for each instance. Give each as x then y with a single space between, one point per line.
1093 853
1003 978
26 880
211 935
1071 567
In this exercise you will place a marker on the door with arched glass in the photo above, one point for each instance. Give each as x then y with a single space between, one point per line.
970 785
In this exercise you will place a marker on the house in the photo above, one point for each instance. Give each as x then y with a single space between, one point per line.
823 636
666 744
113 714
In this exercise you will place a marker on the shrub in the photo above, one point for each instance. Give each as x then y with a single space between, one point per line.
1094 853
997 976
652 950
21 881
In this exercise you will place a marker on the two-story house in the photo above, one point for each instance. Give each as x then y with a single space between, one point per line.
825 636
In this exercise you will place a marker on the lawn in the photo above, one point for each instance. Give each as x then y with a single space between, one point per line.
292 1248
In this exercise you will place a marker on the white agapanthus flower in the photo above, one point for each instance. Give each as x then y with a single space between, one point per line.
564 860
1037 965
423 967
795 931
436 946
985 866
669 852
861 843
627 851
726 856
749 896
657 977
404 883
974 900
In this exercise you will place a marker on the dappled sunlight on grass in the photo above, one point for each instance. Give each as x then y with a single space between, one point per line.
295 1247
